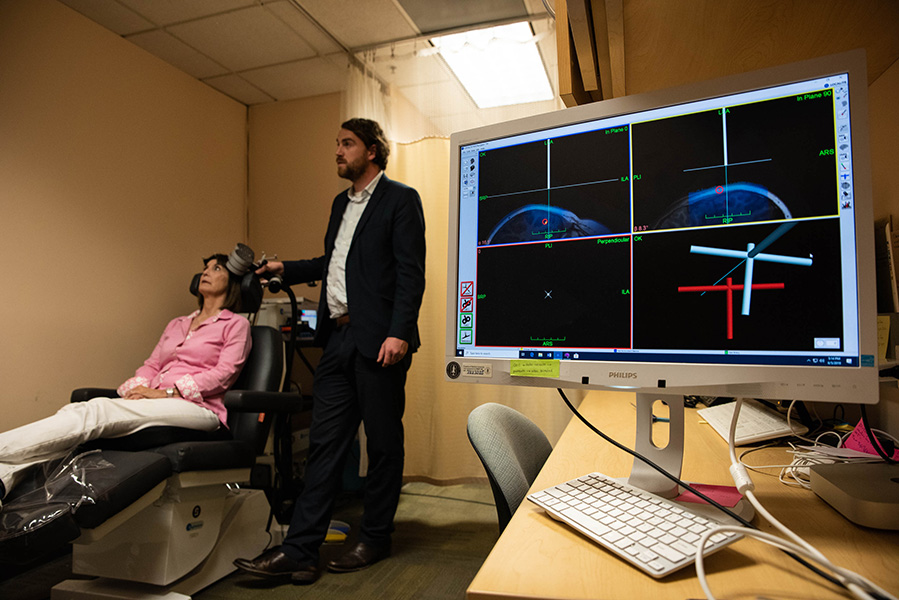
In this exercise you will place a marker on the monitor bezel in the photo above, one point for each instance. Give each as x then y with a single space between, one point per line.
816 383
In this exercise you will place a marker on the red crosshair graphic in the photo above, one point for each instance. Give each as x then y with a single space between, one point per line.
729 287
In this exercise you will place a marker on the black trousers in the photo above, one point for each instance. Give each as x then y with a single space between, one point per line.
348 389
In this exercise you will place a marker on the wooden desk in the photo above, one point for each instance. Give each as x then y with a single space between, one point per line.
538 557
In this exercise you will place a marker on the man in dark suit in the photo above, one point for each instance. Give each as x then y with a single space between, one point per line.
373 280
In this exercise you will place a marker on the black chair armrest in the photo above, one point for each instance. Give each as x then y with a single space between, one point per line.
85 394
271 402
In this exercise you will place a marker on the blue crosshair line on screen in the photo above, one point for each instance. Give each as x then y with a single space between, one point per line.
753 253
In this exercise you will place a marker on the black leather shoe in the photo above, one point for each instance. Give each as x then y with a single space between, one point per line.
275 563
360 557
305 575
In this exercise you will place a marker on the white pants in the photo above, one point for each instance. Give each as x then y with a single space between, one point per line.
79 422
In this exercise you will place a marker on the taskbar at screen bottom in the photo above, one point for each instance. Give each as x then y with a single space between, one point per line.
716 359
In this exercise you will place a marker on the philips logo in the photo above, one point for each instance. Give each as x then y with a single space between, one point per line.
622 375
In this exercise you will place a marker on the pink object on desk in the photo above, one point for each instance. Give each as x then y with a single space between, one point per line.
859 440
725 495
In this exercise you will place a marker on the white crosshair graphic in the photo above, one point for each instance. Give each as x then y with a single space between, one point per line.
750 259
753 253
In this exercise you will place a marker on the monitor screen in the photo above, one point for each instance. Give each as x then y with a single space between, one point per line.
712 239
309 316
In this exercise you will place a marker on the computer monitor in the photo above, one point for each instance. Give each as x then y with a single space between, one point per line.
712 239
309 316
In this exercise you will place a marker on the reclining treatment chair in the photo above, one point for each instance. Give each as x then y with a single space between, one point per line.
167 510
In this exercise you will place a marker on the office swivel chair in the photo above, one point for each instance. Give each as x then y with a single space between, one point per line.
167 509
512 449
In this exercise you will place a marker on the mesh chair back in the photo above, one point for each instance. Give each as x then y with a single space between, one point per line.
512 449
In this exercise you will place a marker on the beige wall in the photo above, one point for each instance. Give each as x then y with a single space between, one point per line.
883 114
117 174
293 177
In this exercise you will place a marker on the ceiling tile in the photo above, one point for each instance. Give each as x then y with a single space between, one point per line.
258 51
166 12
239 89
110 14
244 39
431 16
312 77
177 53
356 24
406 68
309 31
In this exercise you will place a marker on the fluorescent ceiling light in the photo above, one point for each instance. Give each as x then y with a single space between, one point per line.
498 65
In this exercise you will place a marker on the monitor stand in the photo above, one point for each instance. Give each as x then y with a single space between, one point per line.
670 457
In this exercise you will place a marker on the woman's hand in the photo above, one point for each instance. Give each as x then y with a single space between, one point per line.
143 391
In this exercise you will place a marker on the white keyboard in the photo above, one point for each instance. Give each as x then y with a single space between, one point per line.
654 534
756 423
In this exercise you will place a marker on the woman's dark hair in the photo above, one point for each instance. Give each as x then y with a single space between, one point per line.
232 294
371 134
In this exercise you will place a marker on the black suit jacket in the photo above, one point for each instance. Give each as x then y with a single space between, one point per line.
385 268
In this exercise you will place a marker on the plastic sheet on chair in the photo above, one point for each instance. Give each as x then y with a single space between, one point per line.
40 518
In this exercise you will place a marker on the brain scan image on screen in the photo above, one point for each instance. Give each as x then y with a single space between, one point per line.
743 163
734 203
555 189
542 221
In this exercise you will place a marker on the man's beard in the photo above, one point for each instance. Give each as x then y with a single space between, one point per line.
352 170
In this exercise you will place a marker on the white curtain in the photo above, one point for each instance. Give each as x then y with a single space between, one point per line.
366 96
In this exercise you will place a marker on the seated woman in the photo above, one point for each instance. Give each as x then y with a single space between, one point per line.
182 384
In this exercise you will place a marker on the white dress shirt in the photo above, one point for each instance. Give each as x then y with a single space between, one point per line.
337 300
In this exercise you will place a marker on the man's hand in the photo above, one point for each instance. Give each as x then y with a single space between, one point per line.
275 267
143 391
392 351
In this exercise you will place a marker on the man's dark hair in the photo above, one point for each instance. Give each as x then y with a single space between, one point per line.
371 134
